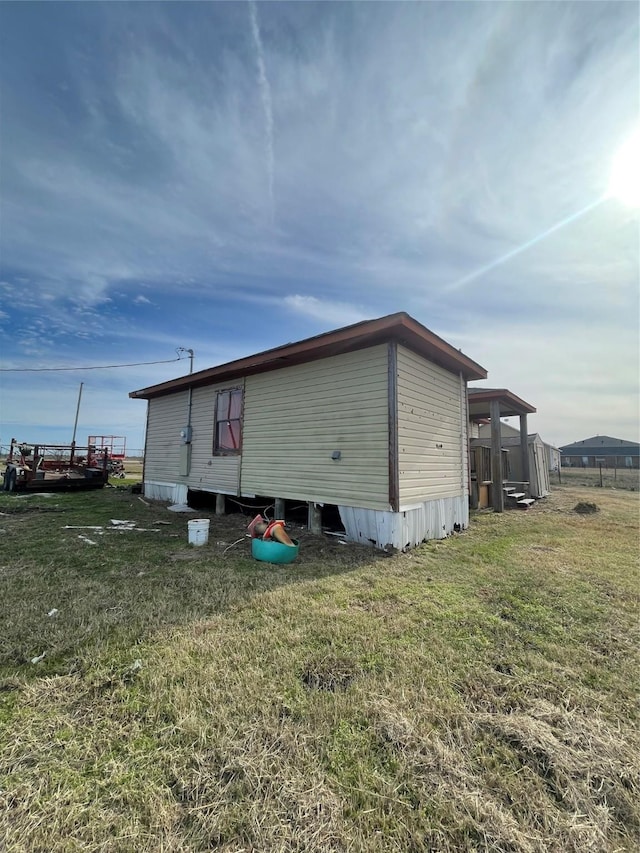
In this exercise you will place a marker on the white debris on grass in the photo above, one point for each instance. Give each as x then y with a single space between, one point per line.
132 530
36 495
120 525
117 527
180 508
87 540
39 658
53 612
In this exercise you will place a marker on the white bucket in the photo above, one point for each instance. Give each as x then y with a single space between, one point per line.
198 531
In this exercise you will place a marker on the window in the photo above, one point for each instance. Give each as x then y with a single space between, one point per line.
228 428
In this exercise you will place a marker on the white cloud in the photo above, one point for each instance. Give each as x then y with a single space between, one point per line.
265 97
337 313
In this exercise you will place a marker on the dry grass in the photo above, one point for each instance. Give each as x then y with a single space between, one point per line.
474 694
133 468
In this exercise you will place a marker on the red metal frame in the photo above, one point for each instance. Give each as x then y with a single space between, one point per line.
115 445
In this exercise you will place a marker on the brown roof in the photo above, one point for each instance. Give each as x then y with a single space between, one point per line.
398 327
510 404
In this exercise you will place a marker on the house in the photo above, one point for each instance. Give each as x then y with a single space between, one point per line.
370 418
506 430
601 450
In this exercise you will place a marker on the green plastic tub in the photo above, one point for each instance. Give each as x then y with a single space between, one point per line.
270 551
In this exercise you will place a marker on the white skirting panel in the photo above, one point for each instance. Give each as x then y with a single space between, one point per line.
434 519
175 493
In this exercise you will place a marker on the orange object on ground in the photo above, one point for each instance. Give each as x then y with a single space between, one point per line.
276 531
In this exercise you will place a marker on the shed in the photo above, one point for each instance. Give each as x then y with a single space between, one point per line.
507 431
371 418
539 485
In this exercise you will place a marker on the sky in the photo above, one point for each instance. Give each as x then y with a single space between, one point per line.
229 177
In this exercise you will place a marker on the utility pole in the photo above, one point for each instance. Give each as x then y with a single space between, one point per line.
190 351
75 424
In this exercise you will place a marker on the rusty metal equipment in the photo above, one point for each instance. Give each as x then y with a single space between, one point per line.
116 449
54 467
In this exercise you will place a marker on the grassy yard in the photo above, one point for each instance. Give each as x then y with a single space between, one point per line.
475 694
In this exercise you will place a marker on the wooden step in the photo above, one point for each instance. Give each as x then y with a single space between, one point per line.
508 489
525 503
516 495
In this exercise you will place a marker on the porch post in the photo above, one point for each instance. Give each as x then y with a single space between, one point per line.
524 453
496 456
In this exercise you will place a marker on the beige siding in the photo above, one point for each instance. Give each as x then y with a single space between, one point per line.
296 417
167 416
432 430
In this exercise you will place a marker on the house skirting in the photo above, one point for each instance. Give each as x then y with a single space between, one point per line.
434 519
175 493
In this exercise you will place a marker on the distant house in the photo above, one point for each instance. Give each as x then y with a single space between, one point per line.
371 418
601 450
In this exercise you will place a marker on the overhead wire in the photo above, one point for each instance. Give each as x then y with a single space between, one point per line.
93 367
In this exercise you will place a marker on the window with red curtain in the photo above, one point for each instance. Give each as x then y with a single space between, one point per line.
228 429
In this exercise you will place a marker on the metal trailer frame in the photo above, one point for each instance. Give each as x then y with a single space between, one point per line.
54 467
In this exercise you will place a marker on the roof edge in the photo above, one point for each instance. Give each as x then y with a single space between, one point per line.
502 395
400 327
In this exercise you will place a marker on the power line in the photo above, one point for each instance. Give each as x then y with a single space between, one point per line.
94 367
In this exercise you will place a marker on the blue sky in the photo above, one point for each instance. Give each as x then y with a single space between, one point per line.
228 177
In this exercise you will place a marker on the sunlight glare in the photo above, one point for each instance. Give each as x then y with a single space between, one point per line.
624 183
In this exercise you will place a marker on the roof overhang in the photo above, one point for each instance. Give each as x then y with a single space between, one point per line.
510 404
400 327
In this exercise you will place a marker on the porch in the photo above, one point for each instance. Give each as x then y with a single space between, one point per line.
492 404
